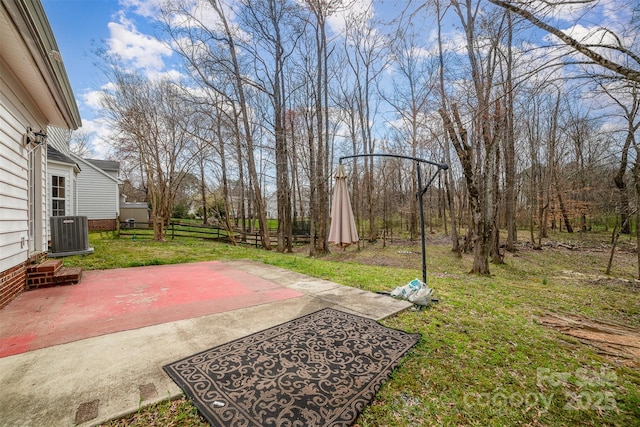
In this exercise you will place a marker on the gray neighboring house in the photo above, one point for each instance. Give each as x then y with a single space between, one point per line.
98 193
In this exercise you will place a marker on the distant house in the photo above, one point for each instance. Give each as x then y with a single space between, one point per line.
134 214
35 94
98 194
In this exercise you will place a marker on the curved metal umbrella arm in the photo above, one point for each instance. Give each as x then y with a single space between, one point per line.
442 166
420 193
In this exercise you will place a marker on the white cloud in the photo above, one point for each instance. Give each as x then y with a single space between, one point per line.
589 35
453 41
564 11
418 52
108 87
100 133
359 10
140 50
171 75
200 14
92 99
146 8
184 14
614 15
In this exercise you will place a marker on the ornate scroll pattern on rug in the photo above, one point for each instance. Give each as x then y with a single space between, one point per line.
321 369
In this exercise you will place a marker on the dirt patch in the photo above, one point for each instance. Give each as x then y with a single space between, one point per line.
617 342
618 284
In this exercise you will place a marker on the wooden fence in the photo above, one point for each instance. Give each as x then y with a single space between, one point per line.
177 229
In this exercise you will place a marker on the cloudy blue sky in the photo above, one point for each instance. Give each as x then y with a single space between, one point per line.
83 26
126 27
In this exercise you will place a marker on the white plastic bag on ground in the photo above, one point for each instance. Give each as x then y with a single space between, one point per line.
422 297
415 291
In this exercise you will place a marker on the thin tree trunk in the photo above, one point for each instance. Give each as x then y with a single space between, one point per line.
619 180
203 190
563 209
614 241
248 135
243 195
225 184
455 239
509 149
636 180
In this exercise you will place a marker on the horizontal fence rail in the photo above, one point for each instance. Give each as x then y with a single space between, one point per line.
177 229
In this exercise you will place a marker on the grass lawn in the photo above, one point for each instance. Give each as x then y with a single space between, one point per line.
484 359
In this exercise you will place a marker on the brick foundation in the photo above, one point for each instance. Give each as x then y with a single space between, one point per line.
103 224
36 272
13 281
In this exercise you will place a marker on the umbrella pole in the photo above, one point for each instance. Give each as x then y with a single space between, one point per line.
421 194
424 246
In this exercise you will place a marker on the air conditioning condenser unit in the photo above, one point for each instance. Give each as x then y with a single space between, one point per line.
69 236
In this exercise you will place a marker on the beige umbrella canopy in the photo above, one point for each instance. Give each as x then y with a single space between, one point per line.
343 230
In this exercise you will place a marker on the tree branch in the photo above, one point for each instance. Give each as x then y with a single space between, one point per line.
626 72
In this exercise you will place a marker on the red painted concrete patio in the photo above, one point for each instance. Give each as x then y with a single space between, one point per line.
108 301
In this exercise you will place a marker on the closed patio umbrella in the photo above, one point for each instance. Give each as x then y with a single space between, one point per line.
343 230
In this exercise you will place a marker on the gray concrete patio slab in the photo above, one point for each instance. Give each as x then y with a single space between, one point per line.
90 381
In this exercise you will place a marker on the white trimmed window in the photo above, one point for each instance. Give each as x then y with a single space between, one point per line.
58 196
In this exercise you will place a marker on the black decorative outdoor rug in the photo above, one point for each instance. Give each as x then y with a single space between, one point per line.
321 369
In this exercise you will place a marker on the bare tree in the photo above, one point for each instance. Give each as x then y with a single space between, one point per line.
365 54
80 143
348 107
147 115
626 96
320 12
478 150
410 99
276 28
211 50
509 141
442 93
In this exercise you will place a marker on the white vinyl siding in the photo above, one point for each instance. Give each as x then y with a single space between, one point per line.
98 194
41 243
74 203
59 139
17 112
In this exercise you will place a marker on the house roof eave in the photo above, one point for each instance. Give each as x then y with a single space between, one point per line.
92 166
30 49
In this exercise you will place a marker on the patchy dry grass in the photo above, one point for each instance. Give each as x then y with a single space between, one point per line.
170 413
483 358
